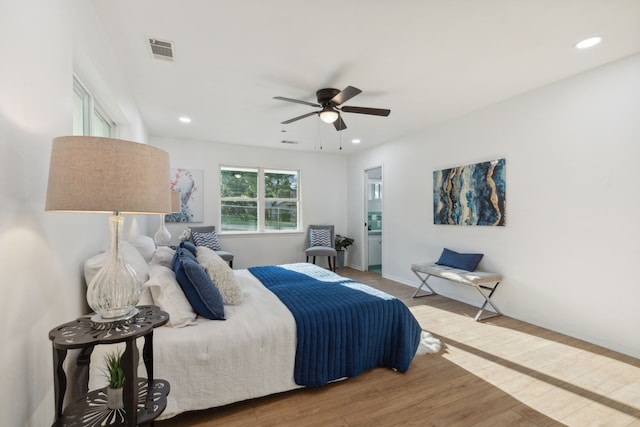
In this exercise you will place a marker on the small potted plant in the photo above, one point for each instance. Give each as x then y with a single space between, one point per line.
185 235
115 376
341 243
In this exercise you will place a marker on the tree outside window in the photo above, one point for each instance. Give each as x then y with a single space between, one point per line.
281 200
258 199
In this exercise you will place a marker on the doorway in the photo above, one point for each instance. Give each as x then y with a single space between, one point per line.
373 221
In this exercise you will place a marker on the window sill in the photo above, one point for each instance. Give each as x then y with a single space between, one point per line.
274 233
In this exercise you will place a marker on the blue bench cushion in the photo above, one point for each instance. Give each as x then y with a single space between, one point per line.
468 262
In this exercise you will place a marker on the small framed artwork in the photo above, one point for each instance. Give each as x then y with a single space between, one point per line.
188 182
470 195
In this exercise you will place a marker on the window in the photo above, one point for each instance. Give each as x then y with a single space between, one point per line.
88 117
239 199
99 124
81 108
258 200
281 200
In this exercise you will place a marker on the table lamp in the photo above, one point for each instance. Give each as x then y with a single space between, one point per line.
162 236
105 175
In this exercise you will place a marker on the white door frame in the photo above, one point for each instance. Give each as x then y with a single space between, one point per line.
365 246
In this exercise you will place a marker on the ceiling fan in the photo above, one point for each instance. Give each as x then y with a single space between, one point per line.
330 101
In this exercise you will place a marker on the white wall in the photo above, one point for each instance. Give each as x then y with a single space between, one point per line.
95 63
41 253
569 249
322 185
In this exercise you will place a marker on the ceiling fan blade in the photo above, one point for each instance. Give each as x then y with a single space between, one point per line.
348 93
286 122
339 124
365 110
297 101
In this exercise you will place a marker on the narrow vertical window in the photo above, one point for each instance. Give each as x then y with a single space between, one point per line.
81 109
101 125
239 199
88 117
281 200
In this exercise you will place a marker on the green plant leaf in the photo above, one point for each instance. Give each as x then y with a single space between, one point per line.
113 371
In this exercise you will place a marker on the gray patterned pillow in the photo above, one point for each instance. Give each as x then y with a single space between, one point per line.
320 237
210 240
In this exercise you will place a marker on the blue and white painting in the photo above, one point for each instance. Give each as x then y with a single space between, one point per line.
188 182
470 195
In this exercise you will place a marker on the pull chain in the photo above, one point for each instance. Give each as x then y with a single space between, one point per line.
319 133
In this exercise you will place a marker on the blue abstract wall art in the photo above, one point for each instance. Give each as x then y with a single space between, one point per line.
470 195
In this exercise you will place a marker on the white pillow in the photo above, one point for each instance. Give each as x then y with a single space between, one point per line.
131 255
145 297
144 244
168 295
162 256
221 274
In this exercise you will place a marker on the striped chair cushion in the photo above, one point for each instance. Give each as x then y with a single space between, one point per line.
210 240
320 237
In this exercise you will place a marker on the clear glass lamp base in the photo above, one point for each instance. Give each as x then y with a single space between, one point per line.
162 236
115 290
100 322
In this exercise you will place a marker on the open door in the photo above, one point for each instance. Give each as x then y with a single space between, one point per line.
373 219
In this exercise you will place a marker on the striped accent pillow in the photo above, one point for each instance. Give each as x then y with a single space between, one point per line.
210 240
320 237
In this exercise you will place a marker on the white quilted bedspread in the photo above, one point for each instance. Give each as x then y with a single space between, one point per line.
214 363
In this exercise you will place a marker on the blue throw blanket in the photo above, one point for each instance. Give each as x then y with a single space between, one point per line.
343 327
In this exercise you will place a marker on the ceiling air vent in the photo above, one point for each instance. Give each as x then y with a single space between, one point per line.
161 49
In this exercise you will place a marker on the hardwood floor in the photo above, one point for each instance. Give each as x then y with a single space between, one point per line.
498 372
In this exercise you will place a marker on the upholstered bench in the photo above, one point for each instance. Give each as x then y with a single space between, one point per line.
486 283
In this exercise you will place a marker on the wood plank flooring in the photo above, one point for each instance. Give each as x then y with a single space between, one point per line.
498 372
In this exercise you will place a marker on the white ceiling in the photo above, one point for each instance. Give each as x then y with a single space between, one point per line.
426 60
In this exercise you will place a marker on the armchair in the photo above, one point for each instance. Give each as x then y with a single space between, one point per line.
320 240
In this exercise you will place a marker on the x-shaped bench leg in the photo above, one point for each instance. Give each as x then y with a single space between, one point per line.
487 300
424 283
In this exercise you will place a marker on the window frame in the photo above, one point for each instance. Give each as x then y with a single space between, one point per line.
91 109
261 200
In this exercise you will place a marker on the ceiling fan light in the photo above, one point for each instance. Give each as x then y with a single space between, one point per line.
329 115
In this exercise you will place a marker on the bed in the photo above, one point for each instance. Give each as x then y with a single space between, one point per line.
297 325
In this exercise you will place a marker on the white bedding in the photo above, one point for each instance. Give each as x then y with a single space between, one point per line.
214 363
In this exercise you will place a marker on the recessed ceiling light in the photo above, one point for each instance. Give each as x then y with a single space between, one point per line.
184 119
355 141
586 43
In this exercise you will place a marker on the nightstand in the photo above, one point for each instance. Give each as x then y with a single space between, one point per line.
144 398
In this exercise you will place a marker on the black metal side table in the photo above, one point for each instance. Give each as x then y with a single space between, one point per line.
144 398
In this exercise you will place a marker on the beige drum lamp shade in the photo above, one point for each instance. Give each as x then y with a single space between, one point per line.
93 174
175 202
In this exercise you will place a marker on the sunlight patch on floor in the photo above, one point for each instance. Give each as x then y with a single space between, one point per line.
587 388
